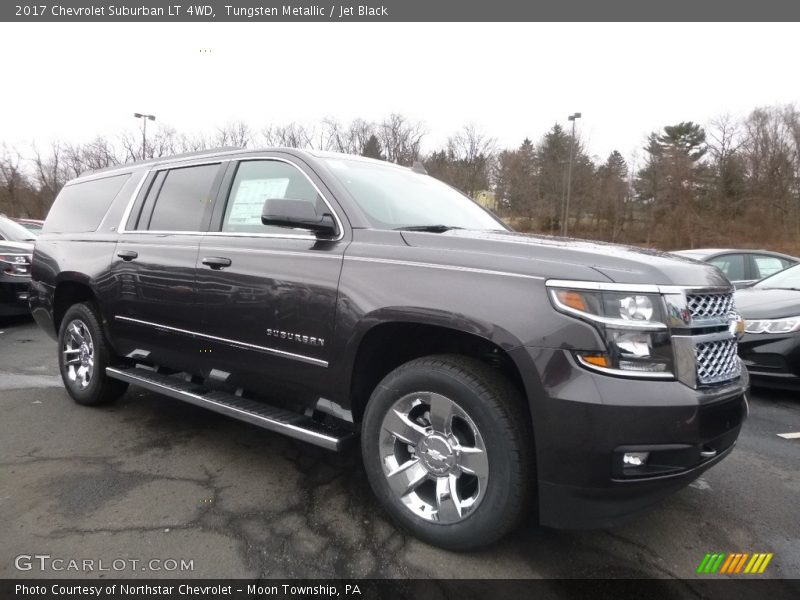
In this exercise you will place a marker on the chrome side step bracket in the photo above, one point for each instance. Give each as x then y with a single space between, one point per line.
263 415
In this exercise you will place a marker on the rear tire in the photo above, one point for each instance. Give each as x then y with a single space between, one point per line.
448 451
83 355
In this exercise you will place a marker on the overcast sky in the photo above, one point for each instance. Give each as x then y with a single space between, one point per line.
75 81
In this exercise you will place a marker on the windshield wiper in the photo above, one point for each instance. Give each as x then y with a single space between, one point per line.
427 228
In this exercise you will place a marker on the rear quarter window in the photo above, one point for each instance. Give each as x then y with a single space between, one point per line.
769 265
80 207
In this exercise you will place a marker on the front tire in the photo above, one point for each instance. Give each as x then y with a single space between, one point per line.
447 449
84 354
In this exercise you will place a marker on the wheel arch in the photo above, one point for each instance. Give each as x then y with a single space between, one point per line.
71 288
389 338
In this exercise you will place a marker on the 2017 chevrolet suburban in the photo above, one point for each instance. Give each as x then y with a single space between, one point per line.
488 374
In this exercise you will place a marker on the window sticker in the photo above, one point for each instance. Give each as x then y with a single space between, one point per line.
250 196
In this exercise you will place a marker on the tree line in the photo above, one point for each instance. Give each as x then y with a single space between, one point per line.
733 182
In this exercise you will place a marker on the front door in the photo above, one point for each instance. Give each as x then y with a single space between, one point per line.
269 293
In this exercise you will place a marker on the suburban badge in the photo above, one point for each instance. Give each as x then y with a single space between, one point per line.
308 340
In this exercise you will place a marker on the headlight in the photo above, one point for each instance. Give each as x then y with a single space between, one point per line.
632 324
785 325
15 264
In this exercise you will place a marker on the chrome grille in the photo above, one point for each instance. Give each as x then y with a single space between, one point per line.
716 361
709 306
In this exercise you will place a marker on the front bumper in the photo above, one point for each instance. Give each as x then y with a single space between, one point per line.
584 422
772 360
13 296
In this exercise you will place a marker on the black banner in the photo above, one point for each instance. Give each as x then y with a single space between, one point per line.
372 589
402 10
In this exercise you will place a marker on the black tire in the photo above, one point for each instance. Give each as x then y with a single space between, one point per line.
98 388
499 413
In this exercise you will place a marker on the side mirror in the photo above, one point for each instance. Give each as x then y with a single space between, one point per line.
297 214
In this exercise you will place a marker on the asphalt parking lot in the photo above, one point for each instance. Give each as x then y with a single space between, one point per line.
150 477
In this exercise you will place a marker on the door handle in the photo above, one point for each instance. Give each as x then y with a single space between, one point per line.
127 255
217 262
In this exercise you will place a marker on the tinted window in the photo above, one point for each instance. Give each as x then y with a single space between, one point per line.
140 215
768 265
183 200
80 207
259 180
730 264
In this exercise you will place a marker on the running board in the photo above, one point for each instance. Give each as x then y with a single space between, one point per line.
260 414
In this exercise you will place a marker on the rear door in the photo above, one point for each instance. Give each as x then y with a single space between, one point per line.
269 293
156 311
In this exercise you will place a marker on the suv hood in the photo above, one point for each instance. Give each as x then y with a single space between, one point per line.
569 258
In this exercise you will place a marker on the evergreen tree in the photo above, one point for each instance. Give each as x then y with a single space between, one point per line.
372 148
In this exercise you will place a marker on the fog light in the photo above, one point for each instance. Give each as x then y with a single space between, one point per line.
635 459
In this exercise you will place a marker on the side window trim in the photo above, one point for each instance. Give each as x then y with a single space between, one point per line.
149 201
221 200
223 197
139 201
213 227
750 267
136 203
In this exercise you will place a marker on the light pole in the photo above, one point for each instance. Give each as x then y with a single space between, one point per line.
145 119
564 224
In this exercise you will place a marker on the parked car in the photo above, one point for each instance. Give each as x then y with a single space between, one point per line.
15 277
14 232
326 296
32 225
770 346
742 267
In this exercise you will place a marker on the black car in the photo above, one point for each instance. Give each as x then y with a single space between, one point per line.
742 267
328 297
15 277
770 346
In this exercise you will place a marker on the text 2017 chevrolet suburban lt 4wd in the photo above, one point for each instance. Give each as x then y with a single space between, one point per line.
324 296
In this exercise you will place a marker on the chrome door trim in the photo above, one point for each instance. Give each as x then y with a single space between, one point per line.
163 167
291 355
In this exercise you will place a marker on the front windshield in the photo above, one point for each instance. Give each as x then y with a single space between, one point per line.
393 197
787 279
14 232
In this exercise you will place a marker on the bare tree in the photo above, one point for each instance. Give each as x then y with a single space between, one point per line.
293 135
401 139
472 153
12 181
236 134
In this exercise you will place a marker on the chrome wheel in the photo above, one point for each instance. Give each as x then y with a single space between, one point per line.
78 350
433 457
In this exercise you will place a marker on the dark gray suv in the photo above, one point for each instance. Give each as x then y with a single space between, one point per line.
330 297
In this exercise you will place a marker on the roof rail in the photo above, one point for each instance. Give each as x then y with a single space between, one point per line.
159 159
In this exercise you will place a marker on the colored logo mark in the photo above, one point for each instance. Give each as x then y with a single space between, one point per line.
735 562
